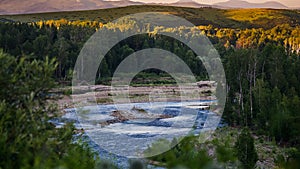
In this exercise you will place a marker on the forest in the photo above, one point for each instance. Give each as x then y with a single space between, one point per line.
263 87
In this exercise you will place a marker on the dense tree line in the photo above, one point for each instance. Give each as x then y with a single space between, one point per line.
63 39
263 91
38 41
282 35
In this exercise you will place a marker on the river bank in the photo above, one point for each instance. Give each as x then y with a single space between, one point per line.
87 95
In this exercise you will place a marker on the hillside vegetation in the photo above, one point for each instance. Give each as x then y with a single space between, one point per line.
233 18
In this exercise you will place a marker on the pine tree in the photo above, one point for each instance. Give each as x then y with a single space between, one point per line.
245 149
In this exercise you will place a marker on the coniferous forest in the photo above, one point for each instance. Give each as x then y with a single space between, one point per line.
262 67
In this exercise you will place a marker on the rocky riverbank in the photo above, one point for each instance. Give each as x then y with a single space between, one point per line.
101 94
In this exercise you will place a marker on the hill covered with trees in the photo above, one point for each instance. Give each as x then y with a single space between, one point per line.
221 18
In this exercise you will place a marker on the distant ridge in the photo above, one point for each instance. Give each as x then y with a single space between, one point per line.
245 4
187 3
41 6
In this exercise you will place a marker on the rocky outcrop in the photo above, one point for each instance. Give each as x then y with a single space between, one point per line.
135 113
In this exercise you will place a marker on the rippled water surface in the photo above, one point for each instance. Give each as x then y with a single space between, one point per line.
119 141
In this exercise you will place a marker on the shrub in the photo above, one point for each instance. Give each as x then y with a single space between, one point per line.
245 149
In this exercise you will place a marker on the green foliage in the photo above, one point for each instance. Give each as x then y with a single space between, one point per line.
188 153
27 139
262 87
291 161
245 149
225 153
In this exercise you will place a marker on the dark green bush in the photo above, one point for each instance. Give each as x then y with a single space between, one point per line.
245 149
28 140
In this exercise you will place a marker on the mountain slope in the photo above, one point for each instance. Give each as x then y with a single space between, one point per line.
39 6
187 3
245 4
225 18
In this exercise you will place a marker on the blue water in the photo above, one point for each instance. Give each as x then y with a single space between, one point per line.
116 142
